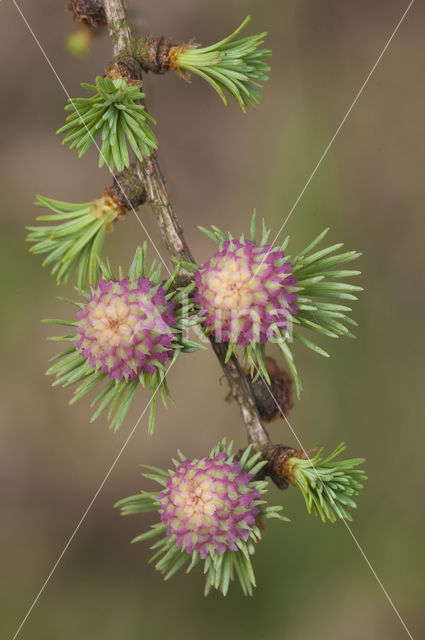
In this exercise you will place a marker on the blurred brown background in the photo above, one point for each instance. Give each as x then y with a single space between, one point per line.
219 165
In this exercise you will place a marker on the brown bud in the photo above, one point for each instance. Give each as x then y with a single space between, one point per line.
128 68
158 55
127 190
274 399
277 467
89 12
280 469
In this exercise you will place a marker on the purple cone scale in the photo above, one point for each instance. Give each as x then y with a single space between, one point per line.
243 292
125 327
208 504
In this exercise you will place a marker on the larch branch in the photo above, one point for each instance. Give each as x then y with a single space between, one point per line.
153 185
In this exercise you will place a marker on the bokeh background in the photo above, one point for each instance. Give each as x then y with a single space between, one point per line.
219 165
